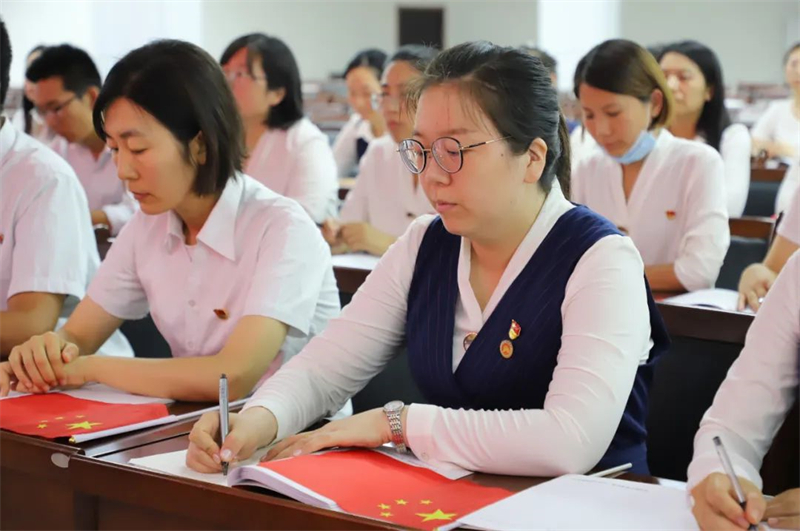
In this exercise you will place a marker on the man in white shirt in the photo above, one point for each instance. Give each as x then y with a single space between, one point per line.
66 84
47 250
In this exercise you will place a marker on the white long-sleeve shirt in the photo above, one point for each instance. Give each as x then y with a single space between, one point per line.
676 212
345 150
298 163
385 195
760 388
606 335
735 147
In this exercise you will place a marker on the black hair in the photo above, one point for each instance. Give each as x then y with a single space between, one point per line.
548 60
514 90
27 105
372 58
623 67
281 70
5 62
182 87
73 65
418 55
790 51
714 118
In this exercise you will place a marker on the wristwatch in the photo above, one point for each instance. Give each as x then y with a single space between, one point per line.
393 410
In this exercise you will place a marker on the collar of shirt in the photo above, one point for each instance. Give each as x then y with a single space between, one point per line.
218 230
81 156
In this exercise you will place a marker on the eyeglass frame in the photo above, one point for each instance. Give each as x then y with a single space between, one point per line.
55 111
233 75
425 151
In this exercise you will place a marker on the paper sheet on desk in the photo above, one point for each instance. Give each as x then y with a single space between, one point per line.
717 298
101 393
581 502
363 261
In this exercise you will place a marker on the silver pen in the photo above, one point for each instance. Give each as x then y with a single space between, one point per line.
223 416
728 466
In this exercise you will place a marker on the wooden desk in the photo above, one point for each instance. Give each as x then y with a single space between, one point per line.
349 279
752 227
705 323
770 175
151 500
35 472
345 185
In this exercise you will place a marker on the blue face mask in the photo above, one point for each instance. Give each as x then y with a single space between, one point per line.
639 150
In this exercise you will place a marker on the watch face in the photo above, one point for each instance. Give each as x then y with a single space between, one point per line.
394 405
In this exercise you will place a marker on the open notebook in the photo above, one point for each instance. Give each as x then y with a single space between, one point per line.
717 298
375 484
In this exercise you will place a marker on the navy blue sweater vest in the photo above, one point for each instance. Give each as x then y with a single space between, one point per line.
486 380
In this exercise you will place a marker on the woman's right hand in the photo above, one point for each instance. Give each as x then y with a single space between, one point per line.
37 365
715 507
755 282
249 431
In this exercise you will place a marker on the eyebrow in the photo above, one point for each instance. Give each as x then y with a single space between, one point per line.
449 132
129 133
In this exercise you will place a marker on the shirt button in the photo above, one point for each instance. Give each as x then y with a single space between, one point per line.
191 303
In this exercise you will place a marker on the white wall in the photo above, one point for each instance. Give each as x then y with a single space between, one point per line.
750 37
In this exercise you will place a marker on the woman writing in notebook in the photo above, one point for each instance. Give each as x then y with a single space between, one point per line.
387 197
236 277
527 319
667 193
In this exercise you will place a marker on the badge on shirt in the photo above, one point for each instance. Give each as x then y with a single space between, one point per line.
514 331
670 214
222 313
506 349
1 238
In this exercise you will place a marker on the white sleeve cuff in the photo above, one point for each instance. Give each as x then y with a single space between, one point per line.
419 430
708 463
282 414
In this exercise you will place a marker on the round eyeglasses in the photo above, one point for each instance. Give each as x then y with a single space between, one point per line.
447 152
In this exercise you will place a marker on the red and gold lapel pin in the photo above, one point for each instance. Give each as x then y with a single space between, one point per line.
222 313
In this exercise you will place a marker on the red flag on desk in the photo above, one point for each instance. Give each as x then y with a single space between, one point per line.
55 415
370 484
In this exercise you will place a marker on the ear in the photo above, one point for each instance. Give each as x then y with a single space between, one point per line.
275 96
197 149
656 103
537 156
92 93
709 93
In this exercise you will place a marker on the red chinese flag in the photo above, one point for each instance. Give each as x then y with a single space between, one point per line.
55 415
370 484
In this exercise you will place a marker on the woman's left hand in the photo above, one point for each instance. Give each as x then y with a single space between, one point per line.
369 429
783 511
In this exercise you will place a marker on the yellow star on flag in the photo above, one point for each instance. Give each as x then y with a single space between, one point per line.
386 515
384 506
85 425
438 515
401 502
40 426
425 502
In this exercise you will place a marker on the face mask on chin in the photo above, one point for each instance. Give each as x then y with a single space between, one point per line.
639 150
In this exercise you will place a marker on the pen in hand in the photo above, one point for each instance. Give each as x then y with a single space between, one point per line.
223 416
728 466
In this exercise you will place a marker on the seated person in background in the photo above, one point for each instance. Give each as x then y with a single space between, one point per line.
526 318
667 193
748 410
363 79
757 279
65 87
777 132
694 75
26 119
285 151
551 65
48 253
236 277
387 197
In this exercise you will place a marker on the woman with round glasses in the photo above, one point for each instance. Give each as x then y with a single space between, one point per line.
363 79
286 152
386 197
667 193
528 322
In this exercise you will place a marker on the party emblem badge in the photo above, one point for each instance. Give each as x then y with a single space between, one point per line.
506 349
